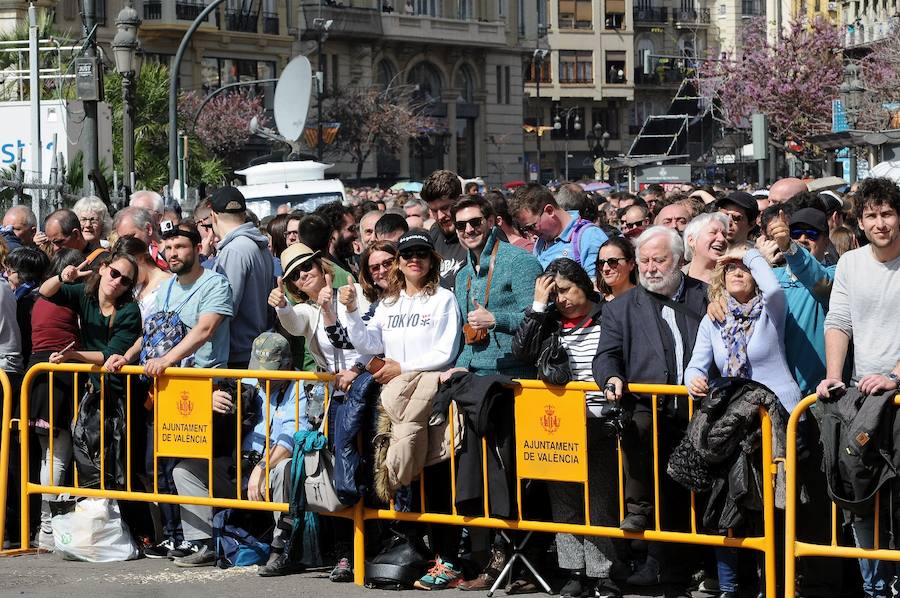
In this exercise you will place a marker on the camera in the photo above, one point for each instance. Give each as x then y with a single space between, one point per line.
613 420
166 226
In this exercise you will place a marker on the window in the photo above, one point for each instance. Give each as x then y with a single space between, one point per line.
216 72
608 119
499 88
575 14
466 10
533 68
335 73
506 84
576 66
520 16
543 16
501 8
615 67
615 14
428 8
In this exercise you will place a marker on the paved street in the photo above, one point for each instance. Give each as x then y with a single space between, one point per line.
45 575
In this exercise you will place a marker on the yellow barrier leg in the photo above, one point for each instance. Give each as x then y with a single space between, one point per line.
768 481
359 544
4 449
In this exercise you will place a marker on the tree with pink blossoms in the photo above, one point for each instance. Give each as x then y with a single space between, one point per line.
878 80
224 125
792 81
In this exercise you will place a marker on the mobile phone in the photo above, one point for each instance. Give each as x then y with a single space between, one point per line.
836 391
375 364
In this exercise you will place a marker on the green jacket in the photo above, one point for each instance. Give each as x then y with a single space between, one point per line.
512 290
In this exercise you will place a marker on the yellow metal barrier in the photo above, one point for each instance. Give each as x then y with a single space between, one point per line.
559 409
794 548
4 447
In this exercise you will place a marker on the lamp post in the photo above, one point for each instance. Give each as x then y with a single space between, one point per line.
126 50
322 26
538 61
598 139
558 125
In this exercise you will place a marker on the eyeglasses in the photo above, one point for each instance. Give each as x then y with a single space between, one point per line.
613 262
115 275
61 241
732 267
632 225
420 254
475 223
385 265
299 271
530 228
86 220
812 235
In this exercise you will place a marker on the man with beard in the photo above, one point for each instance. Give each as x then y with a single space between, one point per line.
648 336
202 299
440 191
344 232
863 310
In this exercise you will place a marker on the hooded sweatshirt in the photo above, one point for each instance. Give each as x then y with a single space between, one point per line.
244 258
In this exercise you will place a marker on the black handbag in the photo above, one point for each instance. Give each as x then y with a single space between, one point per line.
553 362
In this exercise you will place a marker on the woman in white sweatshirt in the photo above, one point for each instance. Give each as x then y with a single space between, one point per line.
417 324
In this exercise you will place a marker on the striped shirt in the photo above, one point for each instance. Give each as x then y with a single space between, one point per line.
581 343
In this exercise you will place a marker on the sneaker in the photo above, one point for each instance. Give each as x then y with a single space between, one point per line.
45 541
607 588
441 576
204 557
161 550
279 564
342 572
184 549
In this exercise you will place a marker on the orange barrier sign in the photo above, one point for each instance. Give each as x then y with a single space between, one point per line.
551 432
184 418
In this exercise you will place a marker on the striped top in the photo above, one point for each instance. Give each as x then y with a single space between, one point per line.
581 343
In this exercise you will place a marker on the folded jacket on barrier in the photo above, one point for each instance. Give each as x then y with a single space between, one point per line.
346 418
720 452
404 442
487 402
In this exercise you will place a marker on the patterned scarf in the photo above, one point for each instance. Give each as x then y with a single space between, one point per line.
736 333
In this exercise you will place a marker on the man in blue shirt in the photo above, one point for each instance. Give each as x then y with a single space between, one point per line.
560 233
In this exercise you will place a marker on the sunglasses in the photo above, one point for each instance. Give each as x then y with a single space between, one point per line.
385 265
812 235
415 253
475 223
115 275
731 267
206 226
303 268
613 262
632 225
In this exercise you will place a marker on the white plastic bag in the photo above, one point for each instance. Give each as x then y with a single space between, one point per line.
90 529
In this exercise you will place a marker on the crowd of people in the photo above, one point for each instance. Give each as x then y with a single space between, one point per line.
787 288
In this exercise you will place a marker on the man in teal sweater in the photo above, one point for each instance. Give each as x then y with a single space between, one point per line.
512 274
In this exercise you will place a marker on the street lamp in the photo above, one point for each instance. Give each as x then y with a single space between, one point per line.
321 26
558 124
537 60
126 49
598 140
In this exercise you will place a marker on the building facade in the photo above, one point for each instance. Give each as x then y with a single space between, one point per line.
586 86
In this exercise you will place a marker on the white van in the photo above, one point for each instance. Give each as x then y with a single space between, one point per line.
301 185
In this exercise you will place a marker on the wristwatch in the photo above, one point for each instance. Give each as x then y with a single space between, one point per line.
792 248
894 378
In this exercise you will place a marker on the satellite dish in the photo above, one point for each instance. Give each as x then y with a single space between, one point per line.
292 94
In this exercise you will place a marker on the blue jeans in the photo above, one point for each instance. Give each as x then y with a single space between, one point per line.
727 565
169 513
877 575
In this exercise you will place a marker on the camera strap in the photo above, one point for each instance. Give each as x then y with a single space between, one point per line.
490 276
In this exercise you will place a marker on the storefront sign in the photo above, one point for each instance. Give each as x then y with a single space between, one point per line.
551 432
672 173
184 418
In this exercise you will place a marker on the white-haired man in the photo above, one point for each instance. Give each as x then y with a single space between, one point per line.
648 336
150 201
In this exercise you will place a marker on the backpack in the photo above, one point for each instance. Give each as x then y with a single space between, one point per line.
856 432
235 546
164 329
577 231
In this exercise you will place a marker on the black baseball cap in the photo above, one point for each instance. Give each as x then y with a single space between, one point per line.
743 200
812 218
228 200
417 237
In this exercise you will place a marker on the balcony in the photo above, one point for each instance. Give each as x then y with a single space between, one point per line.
651 16
664 73
452 32
153 10
359 23
692 18
243 22
187 10
270 23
